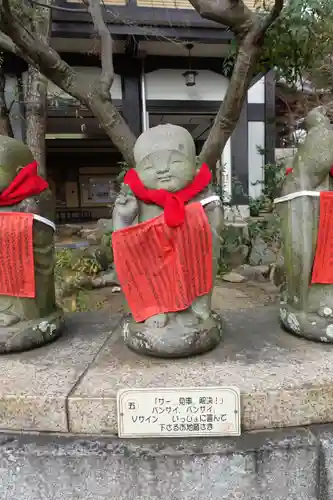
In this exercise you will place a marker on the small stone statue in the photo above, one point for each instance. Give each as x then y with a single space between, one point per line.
166 244
305 209
28 314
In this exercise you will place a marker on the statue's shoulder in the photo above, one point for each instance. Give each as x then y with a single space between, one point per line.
41 204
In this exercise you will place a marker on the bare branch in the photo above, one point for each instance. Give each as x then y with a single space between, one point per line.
250 29
7 44
44 57
233 13
11 106
231 106
50 64
272 16
95 9
36 93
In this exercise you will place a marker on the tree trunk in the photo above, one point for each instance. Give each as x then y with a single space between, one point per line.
5 125
36 96
36 117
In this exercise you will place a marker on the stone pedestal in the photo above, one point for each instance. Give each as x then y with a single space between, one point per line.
176 339
69 389
27 335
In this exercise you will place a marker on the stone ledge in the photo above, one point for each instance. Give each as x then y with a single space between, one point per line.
268 465
285 381
71 385
35 385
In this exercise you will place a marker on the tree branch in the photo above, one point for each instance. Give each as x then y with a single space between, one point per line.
36 93
43 57
7 44
49 63
272 16
10 106
232 13
231 106
107 76
250 28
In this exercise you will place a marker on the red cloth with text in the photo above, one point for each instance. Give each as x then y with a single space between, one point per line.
17 271
27 183
172 202
323 262
161 268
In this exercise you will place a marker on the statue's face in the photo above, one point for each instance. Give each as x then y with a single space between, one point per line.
169 170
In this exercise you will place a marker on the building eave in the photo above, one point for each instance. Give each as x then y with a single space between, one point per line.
142 22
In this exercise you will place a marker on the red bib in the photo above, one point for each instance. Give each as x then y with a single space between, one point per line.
163 269
27 183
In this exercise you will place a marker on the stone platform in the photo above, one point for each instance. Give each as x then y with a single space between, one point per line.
70 386
293 464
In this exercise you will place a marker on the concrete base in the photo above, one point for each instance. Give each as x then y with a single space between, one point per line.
294 464
68 389
71 385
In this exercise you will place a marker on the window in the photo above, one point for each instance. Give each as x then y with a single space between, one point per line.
97 190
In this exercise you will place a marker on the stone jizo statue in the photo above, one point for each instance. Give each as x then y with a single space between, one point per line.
28 313
166 244
306 211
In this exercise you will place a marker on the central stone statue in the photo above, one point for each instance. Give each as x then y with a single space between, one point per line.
167 237
306 213
29 316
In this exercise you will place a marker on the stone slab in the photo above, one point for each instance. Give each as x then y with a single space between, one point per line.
324 435
278 465
284 380
35 385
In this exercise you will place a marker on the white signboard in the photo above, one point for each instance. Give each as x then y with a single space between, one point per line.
162 412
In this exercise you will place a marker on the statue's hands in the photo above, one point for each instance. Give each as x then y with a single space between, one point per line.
126 208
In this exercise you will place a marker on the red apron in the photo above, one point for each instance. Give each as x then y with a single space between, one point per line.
17 271
164 269
323 262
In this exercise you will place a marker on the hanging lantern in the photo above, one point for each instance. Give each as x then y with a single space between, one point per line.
190 74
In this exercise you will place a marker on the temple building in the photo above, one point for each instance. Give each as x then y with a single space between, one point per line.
171 67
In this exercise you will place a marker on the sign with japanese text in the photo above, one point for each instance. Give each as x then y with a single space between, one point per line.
162 412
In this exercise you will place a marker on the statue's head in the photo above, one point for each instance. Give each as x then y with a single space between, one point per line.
13 156
165 157
317 117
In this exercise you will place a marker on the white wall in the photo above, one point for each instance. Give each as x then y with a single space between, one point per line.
256 137
226 173
256 94
169 84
